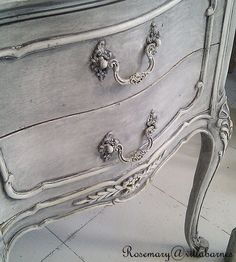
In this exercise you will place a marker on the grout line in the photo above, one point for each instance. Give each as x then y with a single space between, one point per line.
74 233
203 217
58 248
80 257
168 195
55 235
90 220
63 243
51 253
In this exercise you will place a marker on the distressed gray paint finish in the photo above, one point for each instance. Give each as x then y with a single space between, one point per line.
51 167
33 99
35 150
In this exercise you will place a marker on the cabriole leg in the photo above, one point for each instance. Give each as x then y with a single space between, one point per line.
214 142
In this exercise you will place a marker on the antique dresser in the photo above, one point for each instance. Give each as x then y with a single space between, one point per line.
96 95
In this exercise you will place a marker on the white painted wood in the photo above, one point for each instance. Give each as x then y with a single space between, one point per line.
38 152
54 112
33 99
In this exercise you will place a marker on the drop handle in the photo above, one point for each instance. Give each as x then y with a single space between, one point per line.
111 145
103 59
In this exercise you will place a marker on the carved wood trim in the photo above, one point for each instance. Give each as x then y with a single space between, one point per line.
8 178
80 193
37 10
13 193
124 188
208 39
28 48
114 191
223 55
224 123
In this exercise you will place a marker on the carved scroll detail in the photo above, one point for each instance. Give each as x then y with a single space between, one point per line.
25 49
225 124
139 176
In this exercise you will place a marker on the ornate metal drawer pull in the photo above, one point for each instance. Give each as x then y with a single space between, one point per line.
102 59
109 144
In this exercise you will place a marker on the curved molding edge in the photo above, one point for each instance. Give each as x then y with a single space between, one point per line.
24 194
8 178
13 193
129 184
225 48
141 166
37 10
106 193
24 49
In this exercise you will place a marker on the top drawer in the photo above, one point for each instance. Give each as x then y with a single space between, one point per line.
54 83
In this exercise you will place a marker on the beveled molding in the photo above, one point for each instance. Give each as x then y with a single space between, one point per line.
130 181
8 178
129 184
33 46
224 54
36 9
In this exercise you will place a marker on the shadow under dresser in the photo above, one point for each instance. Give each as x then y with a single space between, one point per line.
95 96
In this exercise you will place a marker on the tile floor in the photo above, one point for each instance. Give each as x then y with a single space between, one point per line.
152 221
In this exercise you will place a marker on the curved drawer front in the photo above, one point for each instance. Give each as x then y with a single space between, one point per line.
69 145
56 83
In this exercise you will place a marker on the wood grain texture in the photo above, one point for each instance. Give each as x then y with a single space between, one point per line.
78 22
75 88
54 113
36 154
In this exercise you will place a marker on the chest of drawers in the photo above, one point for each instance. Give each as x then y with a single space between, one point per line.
96 96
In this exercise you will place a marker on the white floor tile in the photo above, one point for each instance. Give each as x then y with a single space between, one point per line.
33 246
176 180
151 222
62 254
219 206
175 177
64 228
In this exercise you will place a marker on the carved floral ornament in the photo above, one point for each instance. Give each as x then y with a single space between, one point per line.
124 188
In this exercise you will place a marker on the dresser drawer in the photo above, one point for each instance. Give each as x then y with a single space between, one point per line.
56 83
67 146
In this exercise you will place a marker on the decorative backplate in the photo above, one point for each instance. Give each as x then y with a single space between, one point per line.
109 144
102 59
99 60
